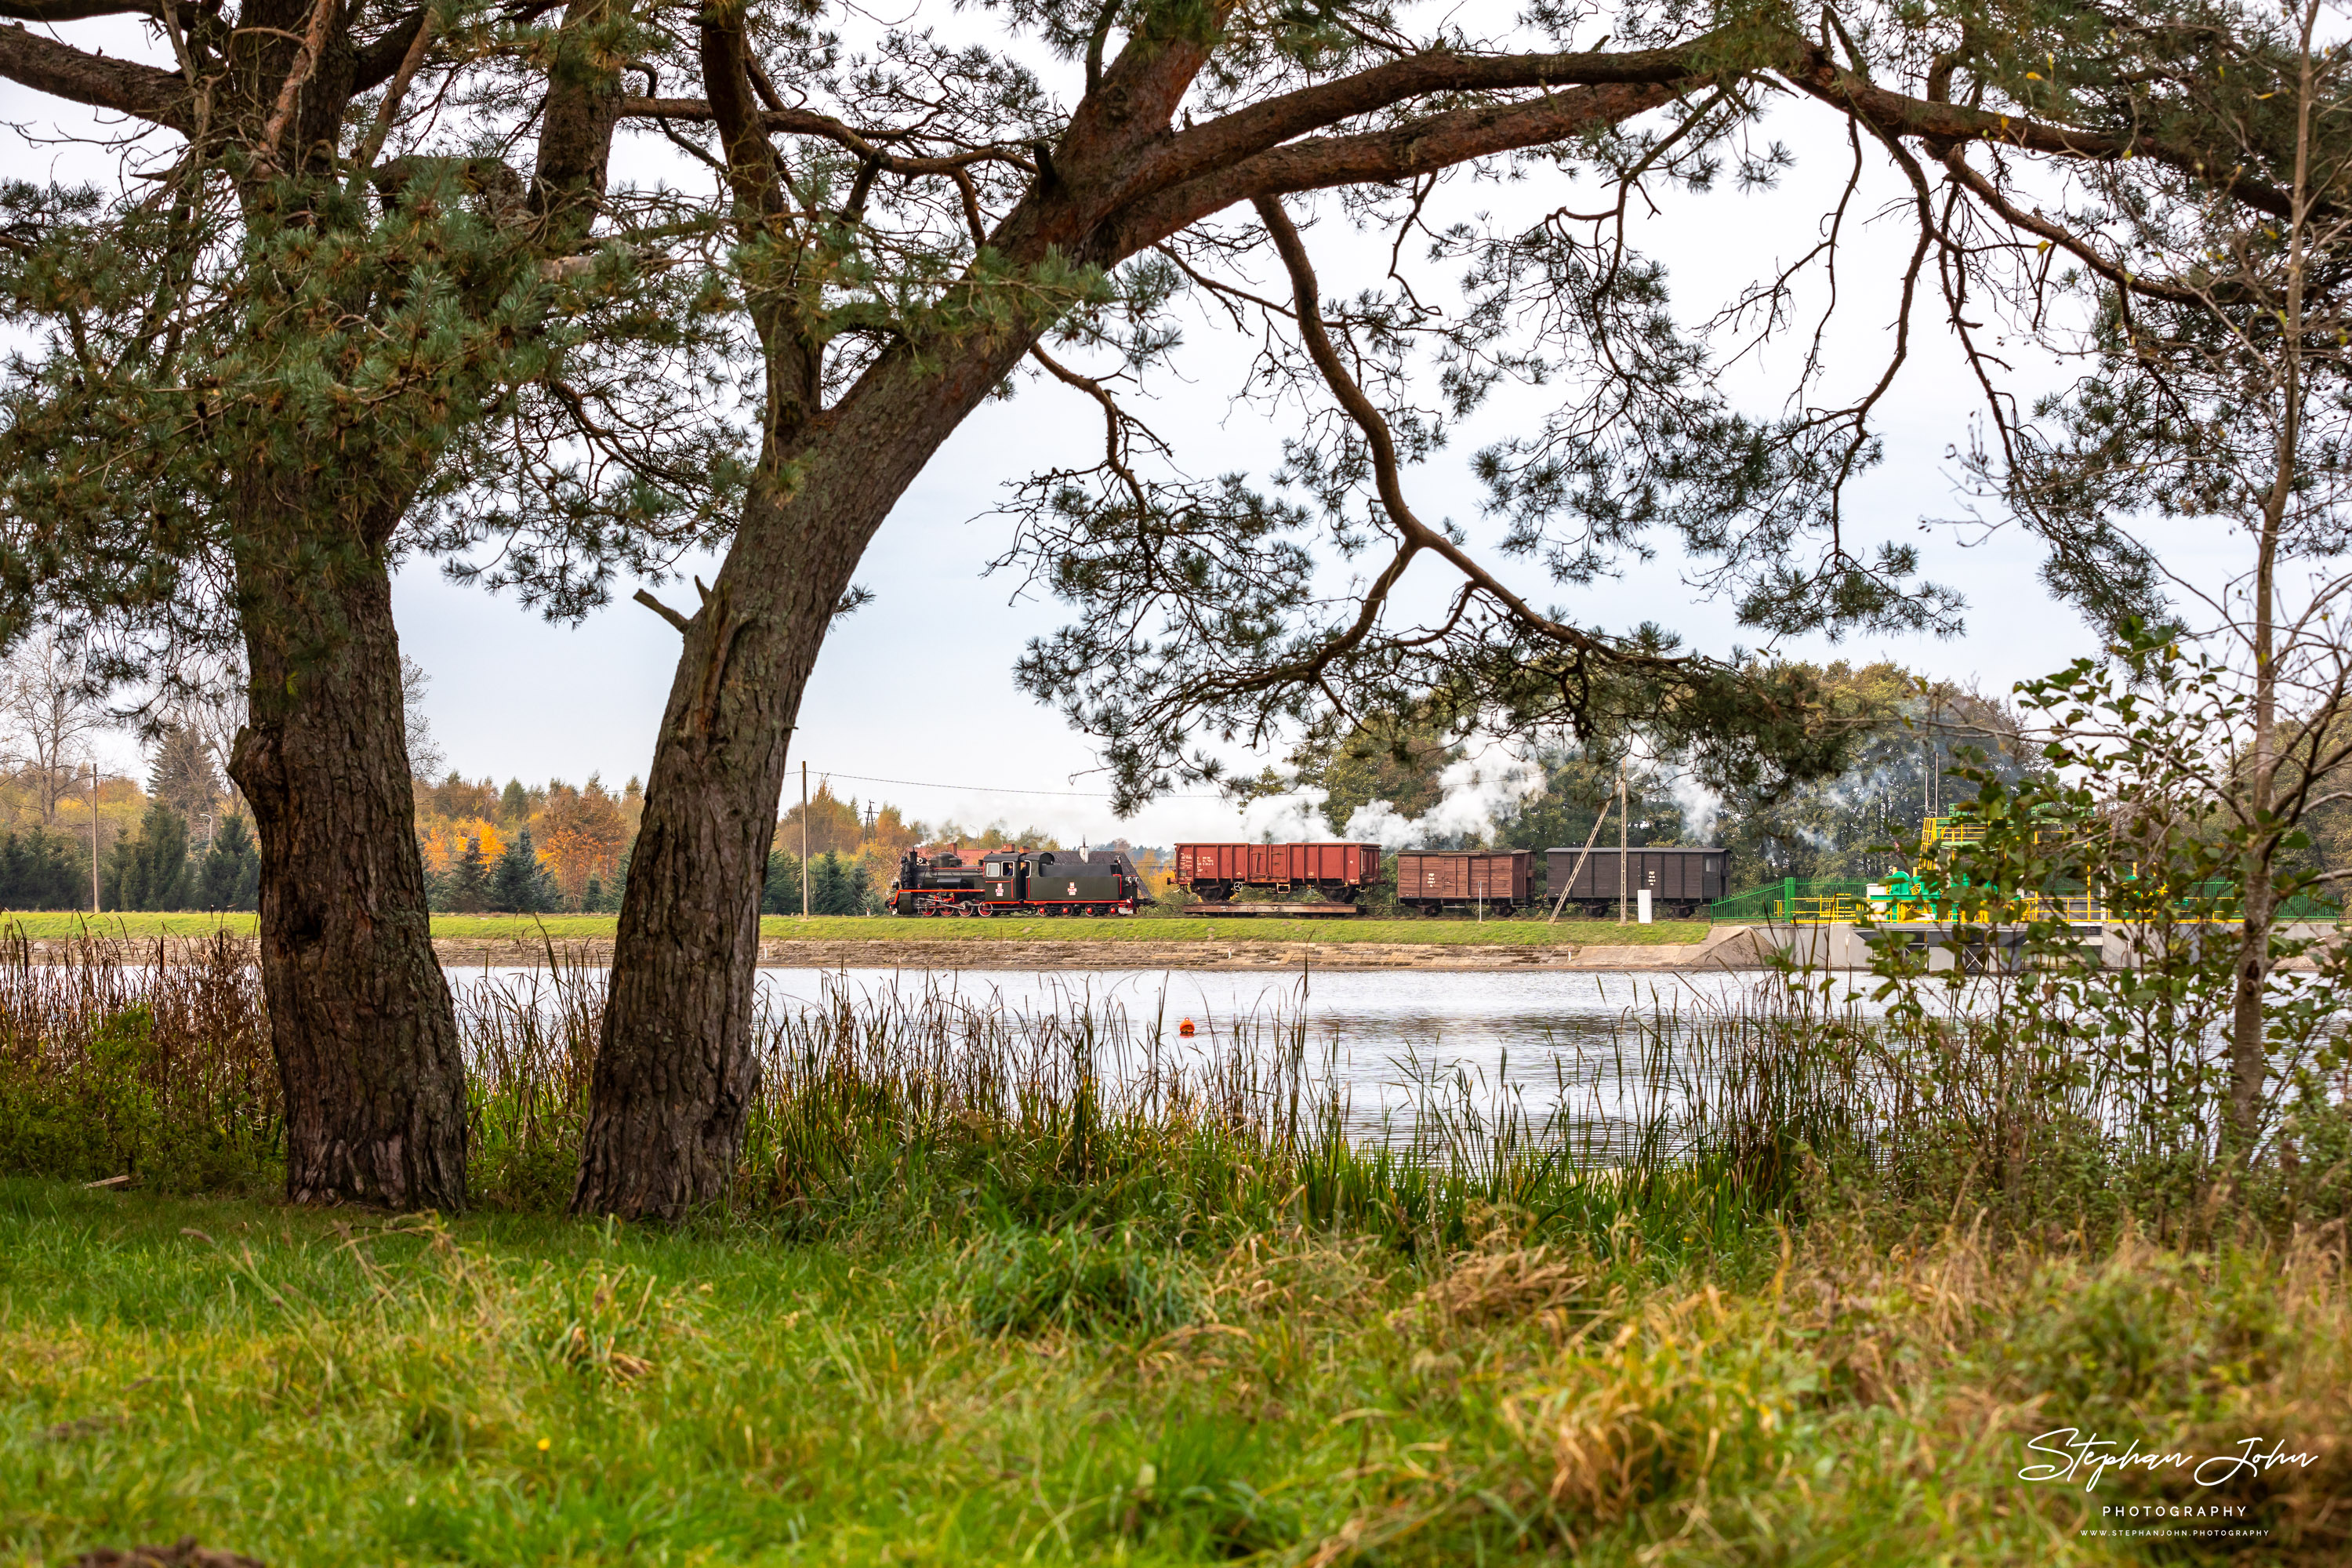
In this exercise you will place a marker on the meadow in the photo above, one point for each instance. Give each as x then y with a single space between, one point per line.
309 1387
51 926
998 1289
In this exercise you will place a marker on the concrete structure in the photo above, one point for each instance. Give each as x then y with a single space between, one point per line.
1847 946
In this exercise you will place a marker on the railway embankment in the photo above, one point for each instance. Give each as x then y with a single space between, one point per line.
1721 947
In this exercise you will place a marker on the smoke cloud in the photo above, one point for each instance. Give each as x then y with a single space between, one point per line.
1288 818
1475 791
1700 806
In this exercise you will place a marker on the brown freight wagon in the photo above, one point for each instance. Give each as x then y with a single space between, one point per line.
1681 880
1216 871
1456 880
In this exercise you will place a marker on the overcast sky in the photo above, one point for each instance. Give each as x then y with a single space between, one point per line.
917 687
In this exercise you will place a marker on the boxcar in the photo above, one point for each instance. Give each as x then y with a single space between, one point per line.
1461 879
1681 880
1216 871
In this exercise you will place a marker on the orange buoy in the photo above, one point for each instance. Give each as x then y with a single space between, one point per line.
1185 1028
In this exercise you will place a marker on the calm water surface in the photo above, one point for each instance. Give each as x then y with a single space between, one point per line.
1390 1041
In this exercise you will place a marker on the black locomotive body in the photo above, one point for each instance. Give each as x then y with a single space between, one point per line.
1018 881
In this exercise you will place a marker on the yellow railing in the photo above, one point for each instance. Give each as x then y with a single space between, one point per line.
1845 910
2076 909
1963 830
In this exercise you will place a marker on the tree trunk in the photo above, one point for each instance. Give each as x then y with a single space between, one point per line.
360 1015
674 1070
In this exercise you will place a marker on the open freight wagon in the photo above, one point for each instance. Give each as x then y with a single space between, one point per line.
1681 881
1215 872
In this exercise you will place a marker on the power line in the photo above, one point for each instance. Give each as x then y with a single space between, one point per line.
991 789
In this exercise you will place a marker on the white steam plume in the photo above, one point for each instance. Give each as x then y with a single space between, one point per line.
1291 817
1475 791
1700 806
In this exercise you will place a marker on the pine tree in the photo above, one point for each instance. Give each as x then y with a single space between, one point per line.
229 875
184 775
514 804
781 894
837 888
150 870
518 885
233 402
469 880
37 871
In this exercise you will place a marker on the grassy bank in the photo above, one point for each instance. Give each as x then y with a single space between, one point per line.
313 1387
886 928
1051 1286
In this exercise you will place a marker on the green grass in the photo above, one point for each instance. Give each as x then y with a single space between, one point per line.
837 928
973 1300
339 1387
51 925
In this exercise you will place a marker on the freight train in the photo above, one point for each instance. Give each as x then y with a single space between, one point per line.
1681 880
1215 872
1013 882
1431 880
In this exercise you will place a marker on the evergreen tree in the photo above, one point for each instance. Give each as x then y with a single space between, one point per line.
184 776
518 884
150 870
229 875
223 404
781 894
469 880
514 806
40 871
837 887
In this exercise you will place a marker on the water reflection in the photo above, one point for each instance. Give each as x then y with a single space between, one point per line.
1587 1054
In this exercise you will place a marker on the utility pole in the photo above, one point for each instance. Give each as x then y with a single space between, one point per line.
93 836
1624 848
804 879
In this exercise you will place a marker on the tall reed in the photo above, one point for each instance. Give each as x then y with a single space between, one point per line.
914 1105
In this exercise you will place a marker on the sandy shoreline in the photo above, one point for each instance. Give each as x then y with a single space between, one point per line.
1732 947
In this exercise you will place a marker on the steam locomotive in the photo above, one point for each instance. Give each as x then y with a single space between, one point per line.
1018 881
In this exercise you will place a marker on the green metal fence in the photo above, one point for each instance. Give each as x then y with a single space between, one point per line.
1805 899
1774 900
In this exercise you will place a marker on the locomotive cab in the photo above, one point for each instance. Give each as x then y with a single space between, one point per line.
1018 881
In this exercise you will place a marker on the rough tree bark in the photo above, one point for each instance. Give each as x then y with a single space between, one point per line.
675 1071
360 1014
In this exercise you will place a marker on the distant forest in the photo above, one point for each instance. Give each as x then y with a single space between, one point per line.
183 841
